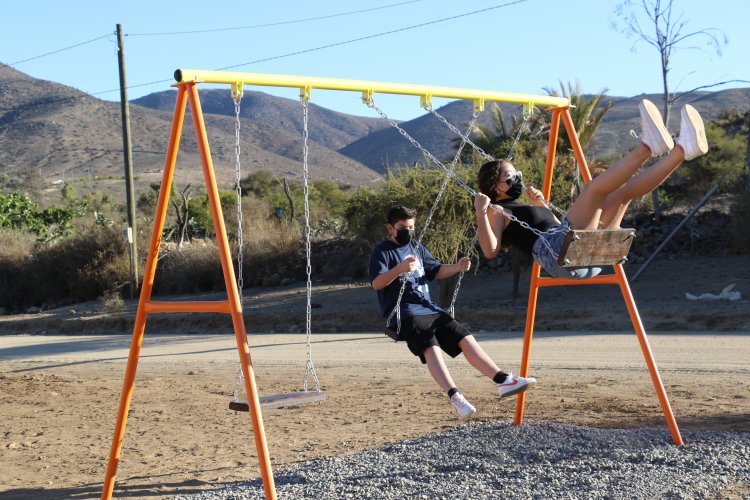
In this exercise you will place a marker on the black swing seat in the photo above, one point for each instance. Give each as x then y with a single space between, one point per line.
393 334
599 247
280 400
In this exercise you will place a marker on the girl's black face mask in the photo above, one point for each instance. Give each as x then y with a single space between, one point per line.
404 236
515 184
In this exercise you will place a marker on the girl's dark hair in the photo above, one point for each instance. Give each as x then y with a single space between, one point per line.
488 177
400 212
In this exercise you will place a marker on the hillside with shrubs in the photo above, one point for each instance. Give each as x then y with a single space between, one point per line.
59 247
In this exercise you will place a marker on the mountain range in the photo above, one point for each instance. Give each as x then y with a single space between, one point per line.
69 135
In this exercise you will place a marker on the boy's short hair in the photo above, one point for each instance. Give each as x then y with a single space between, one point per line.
400 212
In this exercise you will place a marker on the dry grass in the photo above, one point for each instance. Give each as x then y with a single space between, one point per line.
81 267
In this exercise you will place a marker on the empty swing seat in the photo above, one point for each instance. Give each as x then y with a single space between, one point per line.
280 400
599 247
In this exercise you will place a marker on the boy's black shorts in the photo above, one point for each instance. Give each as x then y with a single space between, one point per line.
439 329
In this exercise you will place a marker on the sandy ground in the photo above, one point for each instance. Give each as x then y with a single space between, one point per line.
59 392
60 395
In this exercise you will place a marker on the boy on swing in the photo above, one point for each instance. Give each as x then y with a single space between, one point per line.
424 326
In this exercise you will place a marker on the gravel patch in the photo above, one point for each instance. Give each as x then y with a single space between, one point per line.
489 460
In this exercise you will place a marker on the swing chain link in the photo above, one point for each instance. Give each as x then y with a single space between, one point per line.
238 188
449 173
460 182
455 130
238 177
521 129
469 252
309 367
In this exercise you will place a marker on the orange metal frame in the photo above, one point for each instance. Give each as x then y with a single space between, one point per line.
187 92
618 278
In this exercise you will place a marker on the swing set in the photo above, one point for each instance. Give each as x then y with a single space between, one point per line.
585 248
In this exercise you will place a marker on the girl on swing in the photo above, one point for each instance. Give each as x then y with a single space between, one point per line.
601 204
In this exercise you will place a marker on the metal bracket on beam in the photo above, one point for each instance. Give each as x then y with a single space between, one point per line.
237 90
425 100
304 93
367 96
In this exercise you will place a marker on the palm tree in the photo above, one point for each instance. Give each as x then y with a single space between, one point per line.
586 113
497 139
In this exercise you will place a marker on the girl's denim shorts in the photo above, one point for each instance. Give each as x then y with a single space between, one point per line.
547 248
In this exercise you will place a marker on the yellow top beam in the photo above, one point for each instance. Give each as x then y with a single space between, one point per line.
368 88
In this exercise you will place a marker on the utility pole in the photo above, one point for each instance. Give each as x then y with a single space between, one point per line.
128 154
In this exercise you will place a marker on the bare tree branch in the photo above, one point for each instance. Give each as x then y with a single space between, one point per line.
669 27
683 94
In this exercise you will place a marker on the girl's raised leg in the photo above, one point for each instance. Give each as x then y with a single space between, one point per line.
691 144
586 211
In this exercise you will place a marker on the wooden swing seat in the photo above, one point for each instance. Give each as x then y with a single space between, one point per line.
598 247
280 400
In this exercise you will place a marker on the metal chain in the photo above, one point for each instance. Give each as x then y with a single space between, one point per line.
238 177
455 130
397 308
463 184
416 144
309 367
488 157
521 128
469 251
238 189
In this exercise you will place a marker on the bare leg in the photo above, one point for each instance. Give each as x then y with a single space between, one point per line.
643 183
437 368
587 209
477 358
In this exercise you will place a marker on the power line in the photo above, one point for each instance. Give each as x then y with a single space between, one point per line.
407 28
60 50
337 44
280 23
289 54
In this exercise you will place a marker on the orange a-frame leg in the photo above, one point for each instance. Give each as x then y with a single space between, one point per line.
232 306
618 278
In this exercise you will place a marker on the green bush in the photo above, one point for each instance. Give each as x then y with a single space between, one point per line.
18 211
724 163
417 187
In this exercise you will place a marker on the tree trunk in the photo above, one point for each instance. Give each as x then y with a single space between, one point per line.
665 112
747 156
182 212
291 201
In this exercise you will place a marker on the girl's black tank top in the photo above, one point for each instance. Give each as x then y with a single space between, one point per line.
515 235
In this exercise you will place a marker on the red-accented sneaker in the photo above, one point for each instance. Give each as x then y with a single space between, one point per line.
514 385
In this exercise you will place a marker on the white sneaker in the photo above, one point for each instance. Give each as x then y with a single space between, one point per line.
692 133
463 407
653 132
514 385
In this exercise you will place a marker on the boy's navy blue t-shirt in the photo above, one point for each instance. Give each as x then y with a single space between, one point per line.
416 300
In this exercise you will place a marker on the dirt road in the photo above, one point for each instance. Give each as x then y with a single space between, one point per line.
60 394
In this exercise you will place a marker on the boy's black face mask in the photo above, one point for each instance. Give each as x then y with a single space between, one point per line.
404 236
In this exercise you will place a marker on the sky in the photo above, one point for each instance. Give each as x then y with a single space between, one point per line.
519 46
